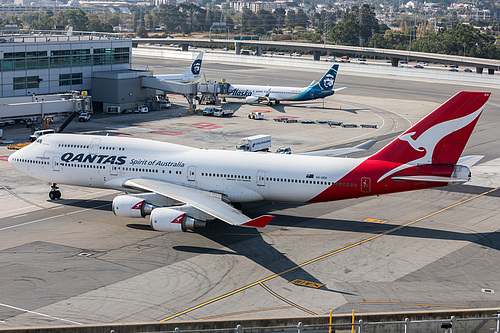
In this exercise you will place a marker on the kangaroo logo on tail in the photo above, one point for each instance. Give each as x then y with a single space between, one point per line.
428 140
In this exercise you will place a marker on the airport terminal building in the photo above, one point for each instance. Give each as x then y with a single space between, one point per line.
53 64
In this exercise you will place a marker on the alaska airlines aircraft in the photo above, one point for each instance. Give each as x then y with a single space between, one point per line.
257 94
188 76
182 188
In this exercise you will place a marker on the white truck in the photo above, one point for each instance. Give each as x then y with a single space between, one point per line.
256 115
223 112
255 143
84 116
217 111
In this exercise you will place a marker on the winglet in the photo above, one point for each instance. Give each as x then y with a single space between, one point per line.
259 222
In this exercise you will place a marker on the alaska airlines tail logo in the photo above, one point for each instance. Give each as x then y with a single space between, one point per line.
328 81
196 67
427 141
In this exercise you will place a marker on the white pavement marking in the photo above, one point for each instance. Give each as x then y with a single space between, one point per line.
39 314
51 217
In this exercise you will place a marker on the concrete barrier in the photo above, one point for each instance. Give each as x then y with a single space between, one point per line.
307 64
467 320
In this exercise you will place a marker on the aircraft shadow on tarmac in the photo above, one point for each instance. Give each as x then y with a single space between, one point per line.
104 205
489 239
250 244
261 252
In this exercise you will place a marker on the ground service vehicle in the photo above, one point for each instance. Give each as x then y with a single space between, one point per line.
255 143
38 134
256 115
84 116
220 112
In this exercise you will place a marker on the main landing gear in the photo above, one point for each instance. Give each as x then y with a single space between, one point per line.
54 193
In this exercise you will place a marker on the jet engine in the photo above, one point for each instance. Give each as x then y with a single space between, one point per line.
173 220
252 99
131 206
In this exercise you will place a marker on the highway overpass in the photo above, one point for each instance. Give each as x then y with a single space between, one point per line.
318 49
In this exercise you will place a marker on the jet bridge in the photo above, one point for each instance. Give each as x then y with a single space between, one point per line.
208 91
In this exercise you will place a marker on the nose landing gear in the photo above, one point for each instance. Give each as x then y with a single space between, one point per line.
54 193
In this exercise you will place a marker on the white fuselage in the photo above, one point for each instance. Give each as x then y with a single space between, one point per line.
272 92
107 162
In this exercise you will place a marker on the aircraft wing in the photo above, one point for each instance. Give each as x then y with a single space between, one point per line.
341 151
208 202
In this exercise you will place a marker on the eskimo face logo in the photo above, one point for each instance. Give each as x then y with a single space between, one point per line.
328 81
196 67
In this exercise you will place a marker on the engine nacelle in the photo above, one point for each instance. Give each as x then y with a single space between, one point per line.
173 220
252 99
131 206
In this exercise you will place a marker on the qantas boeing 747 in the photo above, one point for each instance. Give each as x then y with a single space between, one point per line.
182 188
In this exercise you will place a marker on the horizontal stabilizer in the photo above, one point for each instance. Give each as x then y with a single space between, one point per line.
339 89
341 151
366 145
431 179
259 222
469 161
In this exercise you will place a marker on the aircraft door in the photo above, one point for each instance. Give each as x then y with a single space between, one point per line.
366 185
261 178
56 163
114 170
94 146
191 173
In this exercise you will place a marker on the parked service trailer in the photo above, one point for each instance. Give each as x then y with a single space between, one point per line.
255 143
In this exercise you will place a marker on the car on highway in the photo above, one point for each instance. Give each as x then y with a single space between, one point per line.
331 59
296 54
280 53
418 66
453 69
468 70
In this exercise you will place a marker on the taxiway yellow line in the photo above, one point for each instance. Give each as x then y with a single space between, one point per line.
213 300
244 312
287 301
56 211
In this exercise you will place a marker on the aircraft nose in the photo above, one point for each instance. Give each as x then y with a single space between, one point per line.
11 157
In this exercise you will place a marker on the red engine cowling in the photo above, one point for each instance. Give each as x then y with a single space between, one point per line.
131 206
172 220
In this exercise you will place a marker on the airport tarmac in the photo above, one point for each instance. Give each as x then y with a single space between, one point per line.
74 262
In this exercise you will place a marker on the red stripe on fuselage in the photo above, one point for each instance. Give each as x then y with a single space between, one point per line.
363 180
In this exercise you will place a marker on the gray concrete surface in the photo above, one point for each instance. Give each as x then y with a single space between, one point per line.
74 262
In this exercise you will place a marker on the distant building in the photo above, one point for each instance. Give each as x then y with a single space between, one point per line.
54 64
165 2
255 6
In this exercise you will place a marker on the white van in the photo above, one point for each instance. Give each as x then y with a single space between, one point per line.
38 134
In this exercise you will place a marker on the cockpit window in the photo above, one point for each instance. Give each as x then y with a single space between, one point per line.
39 140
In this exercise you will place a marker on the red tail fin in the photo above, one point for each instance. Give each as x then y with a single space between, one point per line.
441 136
